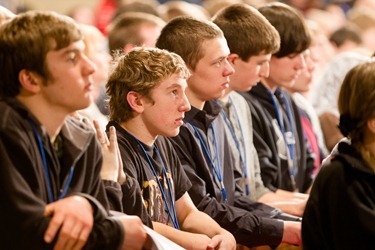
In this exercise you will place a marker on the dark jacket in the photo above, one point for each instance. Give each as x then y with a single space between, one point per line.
248 221
340 213
275 169
23 188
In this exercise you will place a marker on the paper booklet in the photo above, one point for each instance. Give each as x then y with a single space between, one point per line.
160 242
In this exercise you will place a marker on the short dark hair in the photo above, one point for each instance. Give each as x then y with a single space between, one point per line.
294 34
185 35
247 32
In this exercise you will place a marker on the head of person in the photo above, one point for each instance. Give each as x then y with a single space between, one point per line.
97 51
172 9
287 63
149 82
346 38
356 103
305 79
133 29
202 46
251 40
42 52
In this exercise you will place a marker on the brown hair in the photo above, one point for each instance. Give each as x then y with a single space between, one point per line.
356 101
185 35
294 34
141 70
247 32
25 42
125 29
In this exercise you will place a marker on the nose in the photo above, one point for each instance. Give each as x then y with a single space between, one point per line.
89 66
310 64
300 62
185 104
228 69
264 70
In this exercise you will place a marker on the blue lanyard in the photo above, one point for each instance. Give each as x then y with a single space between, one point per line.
171 211
217 170
46 172
242 155
289 138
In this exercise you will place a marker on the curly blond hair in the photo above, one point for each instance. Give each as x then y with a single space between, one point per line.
141 70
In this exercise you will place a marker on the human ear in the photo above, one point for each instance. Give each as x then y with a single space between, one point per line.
30 81
135 101
232 58
128 47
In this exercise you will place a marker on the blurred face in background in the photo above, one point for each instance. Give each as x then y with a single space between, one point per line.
304 80
97 51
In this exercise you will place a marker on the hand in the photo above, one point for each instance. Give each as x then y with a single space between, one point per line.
135 233
74 217
292 233
201 242
224 240
112 168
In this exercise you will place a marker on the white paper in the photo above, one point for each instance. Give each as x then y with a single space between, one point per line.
160 242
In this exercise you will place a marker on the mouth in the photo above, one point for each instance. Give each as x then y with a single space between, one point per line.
225 85
180 121
89 86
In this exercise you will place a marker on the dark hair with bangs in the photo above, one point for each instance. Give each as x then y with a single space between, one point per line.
294 34
25 42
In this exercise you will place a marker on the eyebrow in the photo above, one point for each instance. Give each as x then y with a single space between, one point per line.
219 58
73 50
176 85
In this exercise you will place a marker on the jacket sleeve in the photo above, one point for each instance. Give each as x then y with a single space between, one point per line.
260 189
24 199
114 195
269 171
249 229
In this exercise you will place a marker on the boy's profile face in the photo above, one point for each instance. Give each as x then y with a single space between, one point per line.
69 84
305 79
164 114
285 70
210 78
248 73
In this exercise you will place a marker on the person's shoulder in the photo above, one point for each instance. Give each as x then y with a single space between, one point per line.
9 116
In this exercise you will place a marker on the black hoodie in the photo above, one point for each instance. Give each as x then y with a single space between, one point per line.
340 213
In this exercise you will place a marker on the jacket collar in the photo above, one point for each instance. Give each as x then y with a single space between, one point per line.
75 135
206 116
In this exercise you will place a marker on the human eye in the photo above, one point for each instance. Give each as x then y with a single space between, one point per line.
219 62
72 57
292 56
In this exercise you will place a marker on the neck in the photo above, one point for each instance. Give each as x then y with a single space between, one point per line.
266 82
51 118
138 129
194 99
225 97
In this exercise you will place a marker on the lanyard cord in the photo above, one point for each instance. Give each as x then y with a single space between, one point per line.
171 211
289 138
217 170
242 156
46 172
